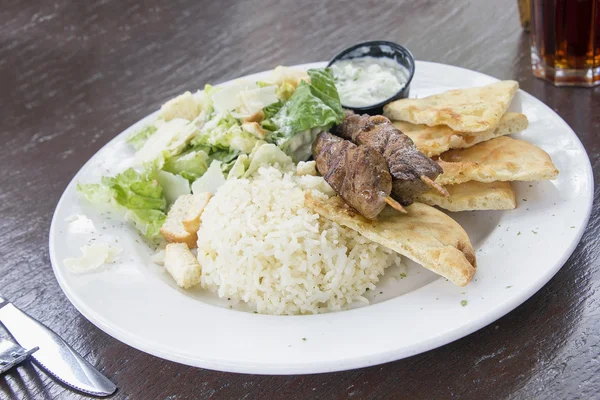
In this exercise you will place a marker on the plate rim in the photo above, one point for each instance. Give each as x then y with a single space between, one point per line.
336 365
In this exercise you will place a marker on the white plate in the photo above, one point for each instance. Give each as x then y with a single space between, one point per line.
517 253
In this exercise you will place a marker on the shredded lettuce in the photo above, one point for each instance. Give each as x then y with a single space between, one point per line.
224 132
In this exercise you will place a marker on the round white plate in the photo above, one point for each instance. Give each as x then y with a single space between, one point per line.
518 251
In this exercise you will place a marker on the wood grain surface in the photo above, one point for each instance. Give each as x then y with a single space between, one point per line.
73 74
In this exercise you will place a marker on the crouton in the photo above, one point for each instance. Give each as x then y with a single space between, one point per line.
191 219
173 229
255 129
182 265
256 117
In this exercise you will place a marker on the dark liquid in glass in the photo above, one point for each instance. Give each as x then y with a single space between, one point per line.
566 36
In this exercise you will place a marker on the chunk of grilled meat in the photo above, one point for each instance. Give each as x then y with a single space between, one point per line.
407 165
359 174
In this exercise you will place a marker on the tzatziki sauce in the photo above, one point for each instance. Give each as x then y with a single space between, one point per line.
365 81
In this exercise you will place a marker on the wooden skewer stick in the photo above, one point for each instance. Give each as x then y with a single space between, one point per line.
441 190
395 205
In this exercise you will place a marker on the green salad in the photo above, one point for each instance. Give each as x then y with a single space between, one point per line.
199 140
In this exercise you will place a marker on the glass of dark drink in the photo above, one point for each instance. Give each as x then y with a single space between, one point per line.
565 41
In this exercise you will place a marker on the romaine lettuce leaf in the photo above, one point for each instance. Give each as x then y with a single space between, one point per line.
96 193
269 111
190 164
268 154
314 105
272 109
303 111
322 85
147 221
134 190
137 193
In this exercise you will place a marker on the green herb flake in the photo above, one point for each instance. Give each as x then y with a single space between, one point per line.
534 232
403 275
572 227
519 233
463 303
508 287
304 339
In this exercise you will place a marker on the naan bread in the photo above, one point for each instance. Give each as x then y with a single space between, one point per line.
434 140
425 235
473 196
499 159
464 110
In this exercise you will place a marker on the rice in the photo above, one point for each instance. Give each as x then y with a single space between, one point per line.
259 244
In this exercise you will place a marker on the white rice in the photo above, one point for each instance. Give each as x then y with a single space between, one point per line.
259 244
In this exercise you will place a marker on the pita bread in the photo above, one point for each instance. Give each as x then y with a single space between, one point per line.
473 195
425 235
434 140
464 110
499 159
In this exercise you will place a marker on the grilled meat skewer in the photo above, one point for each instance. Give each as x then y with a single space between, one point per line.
412 171
359 174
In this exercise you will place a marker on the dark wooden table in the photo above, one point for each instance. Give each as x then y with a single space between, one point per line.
75 74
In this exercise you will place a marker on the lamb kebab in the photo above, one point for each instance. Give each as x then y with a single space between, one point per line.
412 171
359 174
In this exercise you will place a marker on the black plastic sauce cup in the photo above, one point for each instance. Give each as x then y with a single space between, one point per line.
379 49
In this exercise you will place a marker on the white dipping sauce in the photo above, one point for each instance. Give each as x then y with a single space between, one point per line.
366 81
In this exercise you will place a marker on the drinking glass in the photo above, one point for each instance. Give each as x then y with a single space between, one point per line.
565 41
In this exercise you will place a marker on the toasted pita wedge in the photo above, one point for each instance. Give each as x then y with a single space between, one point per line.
434 140
464 110
499 159
473 195
425 235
